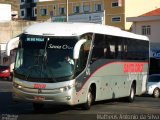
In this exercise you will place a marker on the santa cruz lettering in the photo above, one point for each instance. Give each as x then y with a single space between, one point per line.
133 67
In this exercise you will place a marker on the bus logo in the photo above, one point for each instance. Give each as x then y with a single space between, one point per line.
131 67
39 86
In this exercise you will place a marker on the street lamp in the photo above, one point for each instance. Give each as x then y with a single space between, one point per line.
67 11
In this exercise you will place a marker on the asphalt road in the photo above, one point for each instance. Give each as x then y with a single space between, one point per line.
144 107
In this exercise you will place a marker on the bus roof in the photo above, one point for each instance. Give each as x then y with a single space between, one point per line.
76 29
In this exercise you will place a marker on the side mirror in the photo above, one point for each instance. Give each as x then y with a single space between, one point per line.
77 48
12 44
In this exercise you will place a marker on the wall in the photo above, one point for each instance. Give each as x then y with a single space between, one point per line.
114 12
50 5
107 5
155 28
11 29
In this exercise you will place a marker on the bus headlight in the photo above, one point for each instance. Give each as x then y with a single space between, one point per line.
17 85
66 88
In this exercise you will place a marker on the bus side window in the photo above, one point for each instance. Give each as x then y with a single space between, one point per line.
113 47
98 49
110 47
107 49
118 48
97 53
124 49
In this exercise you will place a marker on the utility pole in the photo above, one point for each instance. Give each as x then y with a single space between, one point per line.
66 10
104 13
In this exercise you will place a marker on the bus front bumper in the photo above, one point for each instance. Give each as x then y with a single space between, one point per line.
44 96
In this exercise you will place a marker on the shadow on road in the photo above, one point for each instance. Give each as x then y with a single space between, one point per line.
7 105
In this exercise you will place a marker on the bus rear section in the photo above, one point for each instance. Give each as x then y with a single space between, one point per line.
117 67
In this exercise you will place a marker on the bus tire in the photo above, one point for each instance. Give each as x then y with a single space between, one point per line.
37 106
131 96
87 105
156 93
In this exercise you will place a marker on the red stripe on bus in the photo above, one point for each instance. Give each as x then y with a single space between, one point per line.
139 66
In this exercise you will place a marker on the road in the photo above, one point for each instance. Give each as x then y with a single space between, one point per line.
144 107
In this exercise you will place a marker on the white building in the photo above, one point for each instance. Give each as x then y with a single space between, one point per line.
5 12
149 24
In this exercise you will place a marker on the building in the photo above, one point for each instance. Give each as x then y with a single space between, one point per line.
5 12
149 24
14 6
28 9
110 12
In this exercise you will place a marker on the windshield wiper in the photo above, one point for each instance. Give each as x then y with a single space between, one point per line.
29 69
41 72
45 61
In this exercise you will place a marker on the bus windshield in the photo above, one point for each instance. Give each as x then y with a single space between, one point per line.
45 57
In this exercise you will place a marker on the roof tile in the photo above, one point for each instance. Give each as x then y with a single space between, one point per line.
153 13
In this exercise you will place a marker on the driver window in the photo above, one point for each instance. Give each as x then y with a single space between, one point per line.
84 52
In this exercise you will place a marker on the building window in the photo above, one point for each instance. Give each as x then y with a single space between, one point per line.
116 19
76 9
34 11
22 13
115 4
62 11
146 30
86 8
43 11
98 7
22 1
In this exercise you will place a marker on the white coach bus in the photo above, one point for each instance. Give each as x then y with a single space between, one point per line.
79 63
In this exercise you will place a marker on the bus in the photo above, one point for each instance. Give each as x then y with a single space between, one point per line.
78 64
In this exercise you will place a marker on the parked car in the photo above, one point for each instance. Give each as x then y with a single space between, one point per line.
154 85
5 72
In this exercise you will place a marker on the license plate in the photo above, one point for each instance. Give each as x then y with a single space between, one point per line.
39 98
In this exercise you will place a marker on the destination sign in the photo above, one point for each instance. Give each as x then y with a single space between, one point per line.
35 39
38 42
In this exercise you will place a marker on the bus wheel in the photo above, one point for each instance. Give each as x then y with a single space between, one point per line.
132 94
87 105
37 106
156 93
